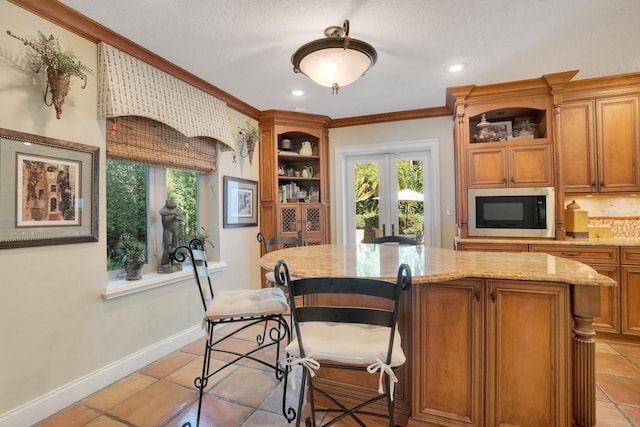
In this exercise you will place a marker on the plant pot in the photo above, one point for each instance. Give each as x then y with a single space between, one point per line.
133 269
58 83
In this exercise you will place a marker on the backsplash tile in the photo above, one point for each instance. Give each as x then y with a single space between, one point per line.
622 213
620 226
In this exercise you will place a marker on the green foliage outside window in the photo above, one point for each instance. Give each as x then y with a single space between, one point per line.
410 175
127 206
181 187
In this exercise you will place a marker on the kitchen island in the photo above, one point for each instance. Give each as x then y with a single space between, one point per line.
491 338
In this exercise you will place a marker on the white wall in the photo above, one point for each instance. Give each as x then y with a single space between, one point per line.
59 339
410 130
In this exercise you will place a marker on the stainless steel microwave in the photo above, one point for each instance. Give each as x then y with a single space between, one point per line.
512 212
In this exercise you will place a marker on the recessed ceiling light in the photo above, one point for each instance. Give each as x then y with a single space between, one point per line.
454 68
297 93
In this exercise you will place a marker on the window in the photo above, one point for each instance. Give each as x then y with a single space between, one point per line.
135 195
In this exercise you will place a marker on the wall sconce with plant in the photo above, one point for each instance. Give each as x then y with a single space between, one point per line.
59 65
250 136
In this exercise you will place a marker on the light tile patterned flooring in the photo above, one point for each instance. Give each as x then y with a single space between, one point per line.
162 393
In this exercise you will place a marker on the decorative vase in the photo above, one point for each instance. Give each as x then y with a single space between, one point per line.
306 149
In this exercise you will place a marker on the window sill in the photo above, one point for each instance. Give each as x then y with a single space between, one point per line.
122 287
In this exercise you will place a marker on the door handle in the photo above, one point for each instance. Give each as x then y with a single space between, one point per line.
393 229
476 293
384 230
494 295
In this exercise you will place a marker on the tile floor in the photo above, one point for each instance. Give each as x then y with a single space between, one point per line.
162 393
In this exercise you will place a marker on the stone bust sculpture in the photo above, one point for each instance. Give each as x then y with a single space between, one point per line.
172 217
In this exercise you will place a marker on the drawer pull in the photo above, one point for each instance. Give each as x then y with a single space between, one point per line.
571 253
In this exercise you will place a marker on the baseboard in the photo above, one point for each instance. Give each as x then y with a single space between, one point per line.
58 399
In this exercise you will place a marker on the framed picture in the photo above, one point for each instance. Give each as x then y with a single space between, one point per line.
240 202
503 130
49 191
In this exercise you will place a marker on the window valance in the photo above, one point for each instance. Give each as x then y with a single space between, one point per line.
128 86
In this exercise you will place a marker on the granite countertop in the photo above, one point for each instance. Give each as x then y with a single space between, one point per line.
615 241
430 265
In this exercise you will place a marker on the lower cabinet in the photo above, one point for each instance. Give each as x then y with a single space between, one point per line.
492 247
491 352
630 291
606 261
308 217
619 317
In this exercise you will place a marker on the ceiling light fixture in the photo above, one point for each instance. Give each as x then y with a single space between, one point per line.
335 61
454 68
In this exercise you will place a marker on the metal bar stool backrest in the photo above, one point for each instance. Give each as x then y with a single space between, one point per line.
196 252
402 240
280 242
345 323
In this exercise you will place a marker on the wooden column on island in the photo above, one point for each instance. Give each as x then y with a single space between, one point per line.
586 307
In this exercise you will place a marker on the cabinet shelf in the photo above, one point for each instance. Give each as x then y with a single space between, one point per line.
506 125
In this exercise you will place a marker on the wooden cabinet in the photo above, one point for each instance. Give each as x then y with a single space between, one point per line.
448 333
504 159
305 217
605 260
527 342
507 370
492 247
600 144
630 291
511 165
294 187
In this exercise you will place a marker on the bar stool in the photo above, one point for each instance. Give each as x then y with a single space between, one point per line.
345 323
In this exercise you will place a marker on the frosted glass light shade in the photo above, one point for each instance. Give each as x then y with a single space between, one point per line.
328 63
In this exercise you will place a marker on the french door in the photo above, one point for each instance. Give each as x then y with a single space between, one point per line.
396 214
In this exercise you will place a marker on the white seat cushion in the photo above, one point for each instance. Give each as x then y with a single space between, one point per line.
246 303
353 343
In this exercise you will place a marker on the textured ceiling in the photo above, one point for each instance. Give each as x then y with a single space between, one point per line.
244 46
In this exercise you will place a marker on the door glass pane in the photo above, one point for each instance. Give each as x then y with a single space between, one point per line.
367 203
410 206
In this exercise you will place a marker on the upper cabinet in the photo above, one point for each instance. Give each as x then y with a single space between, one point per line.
504 137
601 144
509 147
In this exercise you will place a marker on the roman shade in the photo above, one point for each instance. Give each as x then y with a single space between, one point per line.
128 86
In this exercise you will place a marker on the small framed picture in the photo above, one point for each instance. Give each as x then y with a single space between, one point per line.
240 202
503 130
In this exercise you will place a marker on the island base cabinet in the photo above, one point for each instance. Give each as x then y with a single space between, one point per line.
490 353
527 381
447 354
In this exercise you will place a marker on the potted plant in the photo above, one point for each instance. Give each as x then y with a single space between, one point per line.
133 258
59 65
250 136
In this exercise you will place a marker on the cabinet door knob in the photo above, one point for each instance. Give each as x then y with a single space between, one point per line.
602 184
476 293
493 294
513 180
593 184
